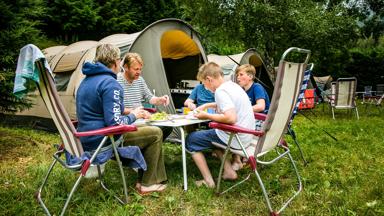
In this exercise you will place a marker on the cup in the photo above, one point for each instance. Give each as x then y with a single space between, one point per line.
210 110
186 110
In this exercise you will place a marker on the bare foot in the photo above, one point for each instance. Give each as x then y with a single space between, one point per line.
237 166
229 174
203 182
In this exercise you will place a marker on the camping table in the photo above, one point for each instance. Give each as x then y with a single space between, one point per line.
179 123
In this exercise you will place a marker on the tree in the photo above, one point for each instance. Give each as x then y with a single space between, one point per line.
73 20
20 20
272 26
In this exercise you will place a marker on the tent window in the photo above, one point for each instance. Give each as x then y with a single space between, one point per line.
62 80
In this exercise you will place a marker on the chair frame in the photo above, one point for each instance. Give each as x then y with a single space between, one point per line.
71 143
335 96
263 135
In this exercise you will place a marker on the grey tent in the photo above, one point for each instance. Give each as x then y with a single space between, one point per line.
229 63
170 48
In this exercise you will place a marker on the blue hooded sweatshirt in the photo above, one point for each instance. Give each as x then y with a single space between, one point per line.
99 103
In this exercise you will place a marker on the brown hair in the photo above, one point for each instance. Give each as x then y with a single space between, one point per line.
107 54
209 69
249 70
129 58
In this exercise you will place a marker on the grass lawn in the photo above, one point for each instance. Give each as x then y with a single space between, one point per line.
342 178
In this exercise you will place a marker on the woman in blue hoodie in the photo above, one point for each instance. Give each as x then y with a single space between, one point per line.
99 104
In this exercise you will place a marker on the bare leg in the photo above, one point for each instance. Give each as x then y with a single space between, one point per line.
229 173
236 162
201 163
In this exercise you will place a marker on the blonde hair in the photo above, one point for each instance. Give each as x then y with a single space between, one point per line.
248 68
129 58
107 54
209 69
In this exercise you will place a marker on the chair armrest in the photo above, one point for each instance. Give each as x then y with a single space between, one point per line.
151 110
260 116
112 130
234 129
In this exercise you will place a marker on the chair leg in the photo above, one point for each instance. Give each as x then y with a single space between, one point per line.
357 113
38 194
222 169
333 113
121 168
71 194
300 187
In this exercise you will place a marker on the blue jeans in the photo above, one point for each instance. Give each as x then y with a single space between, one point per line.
201 140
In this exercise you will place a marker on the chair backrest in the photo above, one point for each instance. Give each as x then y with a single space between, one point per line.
367 90
57 111
379 89
289 79
345 92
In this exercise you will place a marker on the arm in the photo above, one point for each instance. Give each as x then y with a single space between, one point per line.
190 104
259 106
112 95
228 117
207 105
163 100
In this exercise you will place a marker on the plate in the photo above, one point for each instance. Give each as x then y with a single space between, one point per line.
162 120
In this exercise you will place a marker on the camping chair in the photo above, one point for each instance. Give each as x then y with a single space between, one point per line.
76 159
286 91
343 95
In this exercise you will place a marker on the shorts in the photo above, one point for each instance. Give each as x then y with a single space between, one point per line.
202 140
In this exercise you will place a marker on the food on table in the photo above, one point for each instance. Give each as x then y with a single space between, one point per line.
160 116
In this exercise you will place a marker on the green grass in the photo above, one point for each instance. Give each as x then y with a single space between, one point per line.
342 178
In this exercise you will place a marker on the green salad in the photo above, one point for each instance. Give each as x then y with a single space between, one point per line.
160 116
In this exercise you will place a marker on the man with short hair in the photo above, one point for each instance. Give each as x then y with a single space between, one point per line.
136 90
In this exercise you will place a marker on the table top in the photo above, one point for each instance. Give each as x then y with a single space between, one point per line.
175 121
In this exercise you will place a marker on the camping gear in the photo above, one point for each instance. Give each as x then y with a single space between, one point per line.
323 86
343 95
171 50
286 91
229 63
75 158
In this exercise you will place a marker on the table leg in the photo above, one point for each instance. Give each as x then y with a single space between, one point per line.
184 159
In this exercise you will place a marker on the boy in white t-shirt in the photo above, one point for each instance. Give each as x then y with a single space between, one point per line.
232 107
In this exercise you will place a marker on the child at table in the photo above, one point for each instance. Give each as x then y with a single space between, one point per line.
232 107
245 75
199 95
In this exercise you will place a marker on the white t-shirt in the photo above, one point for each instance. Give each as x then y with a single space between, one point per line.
230 95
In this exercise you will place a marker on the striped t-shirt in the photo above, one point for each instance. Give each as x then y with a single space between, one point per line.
135 93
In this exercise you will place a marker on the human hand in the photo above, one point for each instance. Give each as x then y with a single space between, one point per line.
200 114
191 106
139 112
164 100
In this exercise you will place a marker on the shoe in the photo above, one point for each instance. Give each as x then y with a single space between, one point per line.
143 190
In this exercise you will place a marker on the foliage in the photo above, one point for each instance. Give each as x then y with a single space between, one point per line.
72 20
342 178
366 62
20 22
273 26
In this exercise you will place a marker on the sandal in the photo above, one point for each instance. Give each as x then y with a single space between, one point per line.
151 189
